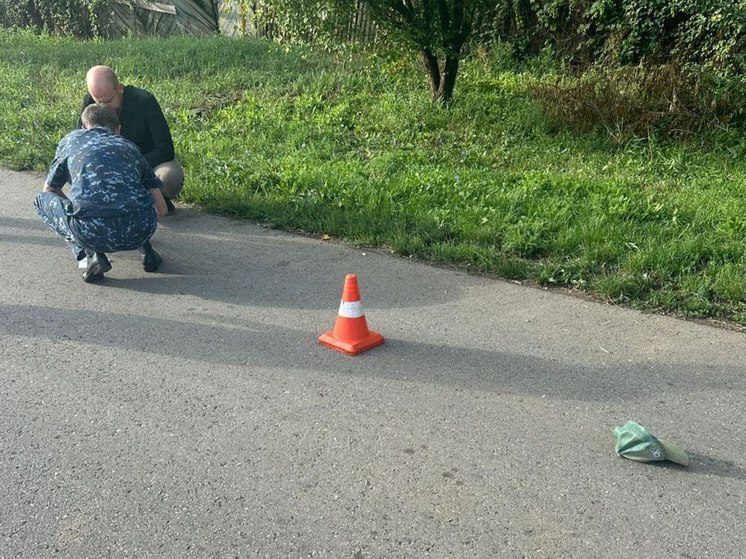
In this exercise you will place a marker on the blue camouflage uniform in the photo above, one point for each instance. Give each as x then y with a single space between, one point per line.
109 207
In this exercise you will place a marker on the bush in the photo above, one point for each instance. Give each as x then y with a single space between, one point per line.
702 32
325 23
61 17
643 101
619 32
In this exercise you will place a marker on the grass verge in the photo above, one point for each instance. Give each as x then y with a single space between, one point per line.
348 145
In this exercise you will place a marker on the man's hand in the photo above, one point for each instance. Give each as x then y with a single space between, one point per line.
54 190
158 201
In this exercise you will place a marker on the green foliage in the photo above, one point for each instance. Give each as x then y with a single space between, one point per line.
319 22
702 32
694 31
346 144
665 68
442 27
437 31
62 17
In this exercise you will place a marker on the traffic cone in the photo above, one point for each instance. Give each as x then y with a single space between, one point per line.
351 334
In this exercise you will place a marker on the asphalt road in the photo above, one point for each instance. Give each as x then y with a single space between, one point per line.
191 413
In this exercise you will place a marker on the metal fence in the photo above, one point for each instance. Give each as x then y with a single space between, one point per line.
244 20
149 18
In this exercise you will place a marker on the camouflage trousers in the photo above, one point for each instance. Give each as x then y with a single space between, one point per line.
95 234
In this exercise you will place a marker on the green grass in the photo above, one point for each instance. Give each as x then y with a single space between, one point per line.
349 145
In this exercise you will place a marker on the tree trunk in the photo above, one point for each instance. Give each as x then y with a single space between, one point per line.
433 71
448 79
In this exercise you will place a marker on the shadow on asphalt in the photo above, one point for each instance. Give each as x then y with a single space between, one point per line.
31 226
22 222
235 262
30 240
248 342
703 464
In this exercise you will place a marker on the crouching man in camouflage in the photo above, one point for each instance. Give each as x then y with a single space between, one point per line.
114 194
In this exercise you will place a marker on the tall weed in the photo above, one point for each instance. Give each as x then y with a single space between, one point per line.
643 101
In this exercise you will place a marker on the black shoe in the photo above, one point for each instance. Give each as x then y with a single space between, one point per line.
151 260
169 205
98 265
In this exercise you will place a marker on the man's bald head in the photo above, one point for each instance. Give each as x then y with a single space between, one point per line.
104 87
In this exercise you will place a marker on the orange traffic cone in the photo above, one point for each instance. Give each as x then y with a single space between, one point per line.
351 334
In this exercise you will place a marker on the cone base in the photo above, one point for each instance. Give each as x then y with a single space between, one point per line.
355 347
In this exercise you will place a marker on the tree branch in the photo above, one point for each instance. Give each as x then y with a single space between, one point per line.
445 19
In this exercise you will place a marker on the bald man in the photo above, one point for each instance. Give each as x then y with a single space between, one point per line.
142 123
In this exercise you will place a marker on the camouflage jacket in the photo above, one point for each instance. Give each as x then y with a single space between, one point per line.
109 177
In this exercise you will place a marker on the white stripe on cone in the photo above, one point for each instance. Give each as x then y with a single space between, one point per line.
351 310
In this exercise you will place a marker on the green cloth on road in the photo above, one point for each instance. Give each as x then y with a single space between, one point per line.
633 441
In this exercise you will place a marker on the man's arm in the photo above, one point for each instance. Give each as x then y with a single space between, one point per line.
59 173
153 184
54 190
163 144
158 201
